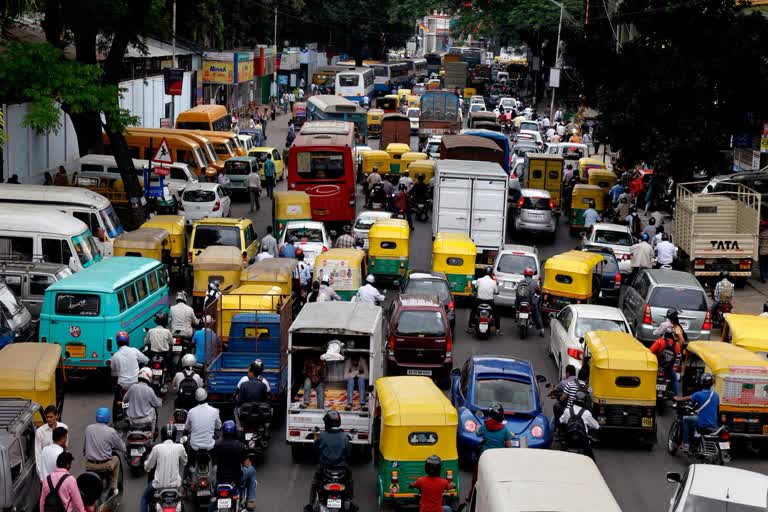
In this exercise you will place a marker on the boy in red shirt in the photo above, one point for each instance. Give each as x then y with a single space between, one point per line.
433 486
667 351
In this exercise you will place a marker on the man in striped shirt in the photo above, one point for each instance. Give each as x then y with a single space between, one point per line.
574 386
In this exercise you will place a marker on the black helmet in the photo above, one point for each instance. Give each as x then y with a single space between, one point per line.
488 270
706 380
673 315
433 465
496 412
168 432
257 366
652 221
420 177
665 237
765 307
332 420
591 203
161 319
724 274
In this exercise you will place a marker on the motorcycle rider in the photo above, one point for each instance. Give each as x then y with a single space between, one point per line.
333 450
591 217
202 423
345 240
255 370
486 290
125 365
493 434
420 190
405 179
578 410
252 390
432 486
665 251
186 382
559 393
529 289
233 465
402 204
373 179
672 321
183 317
100 443
166 458
723 293
667 350
142 401
160 340
204 335
707 402
369 293
326 292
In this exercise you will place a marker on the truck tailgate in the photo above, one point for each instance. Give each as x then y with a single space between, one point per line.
301 423
489 205
724 246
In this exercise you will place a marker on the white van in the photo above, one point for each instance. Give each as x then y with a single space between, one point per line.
527 479
90 207
35 233
96 166
246 141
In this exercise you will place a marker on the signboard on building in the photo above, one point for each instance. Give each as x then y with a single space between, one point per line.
244 68
554 77
174 81
218 68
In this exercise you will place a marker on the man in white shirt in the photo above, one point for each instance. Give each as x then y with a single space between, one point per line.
550 133
125 362
167 459
560 129
665 251
44 434
202 423
487 289
254 188
269 243
369 293
51 452
183 317
546 122
264 254
642 255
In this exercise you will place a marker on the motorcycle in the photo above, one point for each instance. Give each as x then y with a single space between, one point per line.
421 210
181 347
138 444
228 498
710 447
180 419
663 390
523 316
118 406
378 198
483 320
199 488
95 489
333 493
720 311
167 500
159 374
253 422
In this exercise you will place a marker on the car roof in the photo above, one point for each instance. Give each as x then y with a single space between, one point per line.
607 226
426 275
374 214
592 311
535 192
527 249
419 301
502 364
729 484
201 185
673 277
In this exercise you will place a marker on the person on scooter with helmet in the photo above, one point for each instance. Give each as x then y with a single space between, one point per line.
142 401
186 382
432 486
486 290
233 465
529 290
125 366
203 421
333 451
577 432
723 294
166 459
420 190
101 442
160 340
493 433
183 319
707 403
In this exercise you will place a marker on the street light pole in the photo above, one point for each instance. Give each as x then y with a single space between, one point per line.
173 62
274 57
557 56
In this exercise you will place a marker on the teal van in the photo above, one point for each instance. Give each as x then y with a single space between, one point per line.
85 311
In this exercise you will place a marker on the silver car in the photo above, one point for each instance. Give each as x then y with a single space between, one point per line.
653 292
508 268
364 222
533 212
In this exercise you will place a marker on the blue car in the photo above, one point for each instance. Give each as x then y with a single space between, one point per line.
509 381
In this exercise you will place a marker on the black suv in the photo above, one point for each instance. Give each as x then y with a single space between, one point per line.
610 279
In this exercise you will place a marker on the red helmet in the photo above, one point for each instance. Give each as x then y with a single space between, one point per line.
528 272
122 337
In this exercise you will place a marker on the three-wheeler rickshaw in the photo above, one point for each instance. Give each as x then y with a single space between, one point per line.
454 254
388 241
570 278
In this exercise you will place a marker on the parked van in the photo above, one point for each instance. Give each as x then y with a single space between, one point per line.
84 312
93 209
40 233
28 281
19 481
183 149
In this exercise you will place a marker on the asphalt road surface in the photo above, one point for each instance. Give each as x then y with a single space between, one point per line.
635 475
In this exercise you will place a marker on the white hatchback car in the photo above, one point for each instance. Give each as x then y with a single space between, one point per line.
311 238
705 487
202 199
363 224
614 236
569 326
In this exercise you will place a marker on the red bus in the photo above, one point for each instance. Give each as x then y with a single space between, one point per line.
320 163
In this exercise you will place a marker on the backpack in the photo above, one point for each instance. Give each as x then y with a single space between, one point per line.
584 388
523 290
575 428
53 502
187 387
667 355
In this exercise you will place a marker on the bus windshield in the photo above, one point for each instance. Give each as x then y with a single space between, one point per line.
202 160
111 221
86 249
320 164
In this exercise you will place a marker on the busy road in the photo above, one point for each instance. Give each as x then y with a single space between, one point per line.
635 474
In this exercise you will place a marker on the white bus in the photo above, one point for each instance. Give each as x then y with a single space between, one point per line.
390 76
417 68
355 84
89 207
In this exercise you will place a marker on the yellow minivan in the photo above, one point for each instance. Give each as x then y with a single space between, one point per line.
238 233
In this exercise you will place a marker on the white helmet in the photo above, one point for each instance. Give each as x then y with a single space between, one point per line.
201 395
188 360
146 375
181 297
370 279
208 320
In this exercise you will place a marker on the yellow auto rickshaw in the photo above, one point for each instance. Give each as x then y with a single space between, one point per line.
586 165
569 278
388 249
378 159
345 269
374 122
32 371
454 254
396 150
413 101
741 381
289 205
216 263
144 242
603 178
406 159
622 375
468 93
177 234
581 198
247 298
414 421
747 331
425 167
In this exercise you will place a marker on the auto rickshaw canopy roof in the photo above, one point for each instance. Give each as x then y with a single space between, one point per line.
28 367
591 163
398 148
612 350
748 331
374 154
414 156
413 401
219 257
721 357
291 196
354 255
173 224
579 262
142 238
396 229
417 165
454 243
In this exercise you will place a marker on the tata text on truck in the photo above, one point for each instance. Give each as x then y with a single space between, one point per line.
717 231
358 327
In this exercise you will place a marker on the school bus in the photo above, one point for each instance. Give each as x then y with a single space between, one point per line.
205 143
183 149
205 117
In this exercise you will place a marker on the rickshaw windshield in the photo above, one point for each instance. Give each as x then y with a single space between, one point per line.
515 263
584 325
426 323
514 396
613 238
429 287
680 298
206 236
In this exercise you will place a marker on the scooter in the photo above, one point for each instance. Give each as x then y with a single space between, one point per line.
167 500
483 320
253 421
228 498
138 444
720 311
523 316
95 489
199 489
663 392
710 447
421 210
181 347
159 374
333 493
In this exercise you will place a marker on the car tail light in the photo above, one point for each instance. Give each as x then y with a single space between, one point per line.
647 318
216 206
324 249
334 487
707 322
448 345
294 433
618 279
451 305
537 432
745 264
521 202
362 435
725 435
391 342
245 257
698 263
551 204
576 353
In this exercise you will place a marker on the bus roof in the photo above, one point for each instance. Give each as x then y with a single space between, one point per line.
106 276
52 195
331 103
205 111
323 139
36 219
327 128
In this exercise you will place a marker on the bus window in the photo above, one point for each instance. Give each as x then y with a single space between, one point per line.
56 251
141 286
130 295
90 220
320 164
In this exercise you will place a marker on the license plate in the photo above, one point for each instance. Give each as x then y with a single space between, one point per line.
515 443
684 324
177 348
725 446
224 503
425 373
76 350
483 328
157 371
204 492
523 316
137 452
647 422
661 387
249 436
331 503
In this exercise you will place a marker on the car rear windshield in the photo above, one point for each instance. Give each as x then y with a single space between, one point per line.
199 196
680 298
515 263
304 235
512 395
205 236
536 203
424 323
237 168
584 325
429 287
613 238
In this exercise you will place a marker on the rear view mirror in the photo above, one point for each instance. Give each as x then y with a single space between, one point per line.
553 316
674 478
581 340
541 378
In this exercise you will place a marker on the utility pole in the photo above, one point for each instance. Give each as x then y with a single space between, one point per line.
557 56
173 62
274 56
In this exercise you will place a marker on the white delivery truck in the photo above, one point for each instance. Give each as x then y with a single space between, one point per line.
471 197
330 334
